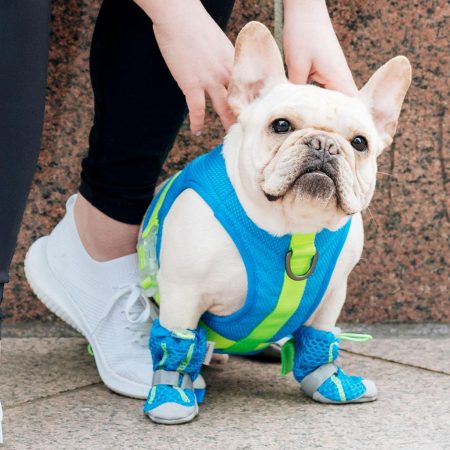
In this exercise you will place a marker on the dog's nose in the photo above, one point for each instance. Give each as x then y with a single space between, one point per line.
324 143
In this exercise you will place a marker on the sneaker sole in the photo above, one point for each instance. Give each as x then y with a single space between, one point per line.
52 293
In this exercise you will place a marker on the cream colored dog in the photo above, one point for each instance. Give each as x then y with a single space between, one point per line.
301 159
278 180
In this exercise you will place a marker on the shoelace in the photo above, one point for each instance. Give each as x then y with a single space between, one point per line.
138 323
355 337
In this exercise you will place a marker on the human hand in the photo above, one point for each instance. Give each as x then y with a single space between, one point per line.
312 51
197 53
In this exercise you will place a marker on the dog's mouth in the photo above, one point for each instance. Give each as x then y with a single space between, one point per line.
318 182
317 185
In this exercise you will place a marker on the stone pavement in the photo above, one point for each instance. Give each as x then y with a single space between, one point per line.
53 399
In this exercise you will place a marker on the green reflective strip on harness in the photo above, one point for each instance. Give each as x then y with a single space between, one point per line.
152 223
154 220
303 250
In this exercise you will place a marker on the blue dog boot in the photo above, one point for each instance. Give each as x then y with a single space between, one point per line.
319 377
177 359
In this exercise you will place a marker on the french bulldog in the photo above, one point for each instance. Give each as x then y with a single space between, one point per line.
301 160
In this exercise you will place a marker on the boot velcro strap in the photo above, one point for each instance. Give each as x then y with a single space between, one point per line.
172 378
312 382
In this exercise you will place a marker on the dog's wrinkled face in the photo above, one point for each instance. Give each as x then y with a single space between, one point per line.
319 145
305 148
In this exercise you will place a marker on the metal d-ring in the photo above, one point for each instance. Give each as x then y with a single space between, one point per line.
295 277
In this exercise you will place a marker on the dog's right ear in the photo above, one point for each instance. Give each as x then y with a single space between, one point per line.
383 95
258 66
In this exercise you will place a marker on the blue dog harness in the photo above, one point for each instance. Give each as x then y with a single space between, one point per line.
287 276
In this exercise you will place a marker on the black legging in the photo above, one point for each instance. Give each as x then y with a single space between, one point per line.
24 40
138 110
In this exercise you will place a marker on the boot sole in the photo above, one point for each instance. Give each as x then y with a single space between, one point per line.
160 420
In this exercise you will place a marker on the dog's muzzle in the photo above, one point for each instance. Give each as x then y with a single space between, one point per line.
317 175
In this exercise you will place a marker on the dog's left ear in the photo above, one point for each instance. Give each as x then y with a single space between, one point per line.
383 94
258 66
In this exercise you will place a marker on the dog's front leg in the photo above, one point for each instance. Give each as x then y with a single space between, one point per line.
316 350
178 348
194 277
317 342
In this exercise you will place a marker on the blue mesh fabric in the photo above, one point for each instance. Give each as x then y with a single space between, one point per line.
352 386
329 245
168 394
169 351
262 253
312 350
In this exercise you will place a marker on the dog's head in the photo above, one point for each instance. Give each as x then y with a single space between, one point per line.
303 158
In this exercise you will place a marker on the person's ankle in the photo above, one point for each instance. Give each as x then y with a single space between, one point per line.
103 238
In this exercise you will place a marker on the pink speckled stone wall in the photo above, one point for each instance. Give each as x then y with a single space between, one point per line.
403 275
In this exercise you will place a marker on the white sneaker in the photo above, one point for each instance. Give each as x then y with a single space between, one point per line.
102 300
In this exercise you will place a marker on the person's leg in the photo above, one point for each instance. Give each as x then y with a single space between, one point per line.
24 40
86 270
138 112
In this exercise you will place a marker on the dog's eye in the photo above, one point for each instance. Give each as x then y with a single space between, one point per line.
359 143
281 126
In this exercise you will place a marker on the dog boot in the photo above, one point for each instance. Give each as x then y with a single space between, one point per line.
319 377
177 359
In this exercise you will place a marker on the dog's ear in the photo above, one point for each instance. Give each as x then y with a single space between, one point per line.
258 66
383 94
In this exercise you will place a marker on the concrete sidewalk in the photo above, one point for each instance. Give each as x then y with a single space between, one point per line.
53 398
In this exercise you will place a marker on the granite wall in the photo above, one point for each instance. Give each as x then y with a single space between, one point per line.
403 275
